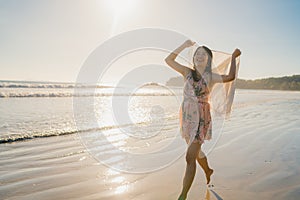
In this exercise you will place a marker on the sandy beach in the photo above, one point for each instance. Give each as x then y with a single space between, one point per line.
256 157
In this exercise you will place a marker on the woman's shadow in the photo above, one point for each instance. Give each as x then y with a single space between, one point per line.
207 195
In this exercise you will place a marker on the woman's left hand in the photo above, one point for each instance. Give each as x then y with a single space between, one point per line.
236 53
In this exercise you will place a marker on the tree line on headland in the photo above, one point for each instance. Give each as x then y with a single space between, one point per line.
280 83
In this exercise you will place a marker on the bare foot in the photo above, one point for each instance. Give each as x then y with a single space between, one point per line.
208 174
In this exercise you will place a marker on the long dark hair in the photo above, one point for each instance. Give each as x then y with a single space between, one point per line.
208 65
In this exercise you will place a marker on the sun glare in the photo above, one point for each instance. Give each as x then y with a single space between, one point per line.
121 7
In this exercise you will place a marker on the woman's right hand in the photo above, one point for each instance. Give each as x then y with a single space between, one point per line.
236 53
188 43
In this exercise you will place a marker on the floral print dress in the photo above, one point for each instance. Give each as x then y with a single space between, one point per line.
195 117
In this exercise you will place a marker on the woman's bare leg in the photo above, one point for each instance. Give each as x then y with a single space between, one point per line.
202 161
191 156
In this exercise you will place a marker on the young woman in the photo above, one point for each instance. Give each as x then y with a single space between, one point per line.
195 118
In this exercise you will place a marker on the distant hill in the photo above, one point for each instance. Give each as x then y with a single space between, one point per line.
280 83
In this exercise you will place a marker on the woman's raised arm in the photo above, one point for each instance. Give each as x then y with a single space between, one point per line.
232 72
170 60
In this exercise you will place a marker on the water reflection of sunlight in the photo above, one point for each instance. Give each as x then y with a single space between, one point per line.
112 172
119 144
117 140
118 179
121 189
116 137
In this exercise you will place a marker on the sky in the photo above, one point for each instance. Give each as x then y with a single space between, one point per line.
49 40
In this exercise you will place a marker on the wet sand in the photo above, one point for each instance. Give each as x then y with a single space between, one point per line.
257 157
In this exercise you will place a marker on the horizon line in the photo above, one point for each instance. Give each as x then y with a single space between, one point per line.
51 81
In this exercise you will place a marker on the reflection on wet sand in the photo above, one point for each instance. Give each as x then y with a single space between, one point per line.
214 193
